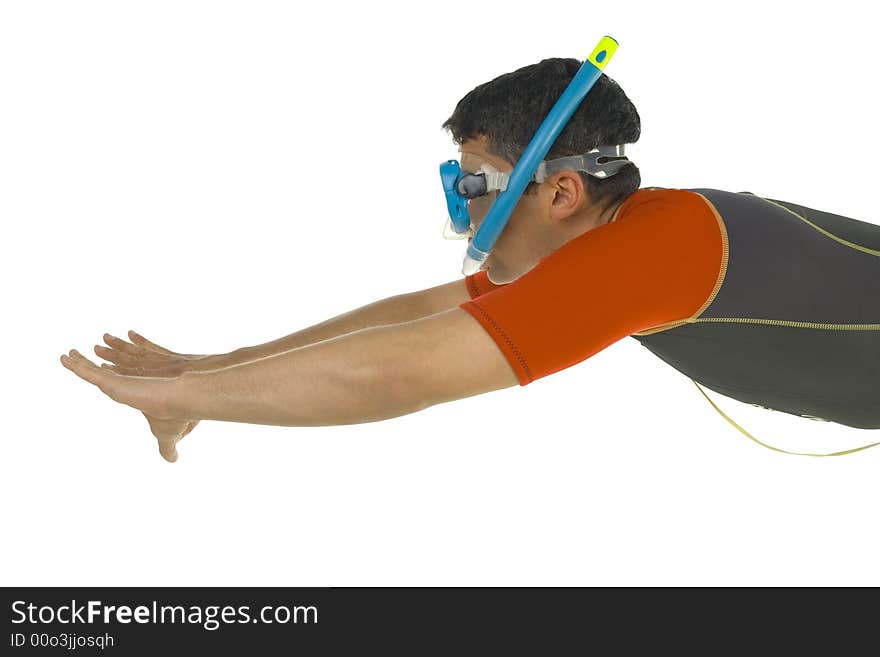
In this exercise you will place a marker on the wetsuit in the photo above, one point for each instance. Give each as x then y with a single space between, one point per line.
766 301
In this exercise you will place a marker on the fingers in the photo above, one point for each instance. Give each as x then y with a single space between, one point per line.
133 356
88 371
137 352
168 450
142 341
113 356
168 446
144 351
111 384
137 360
122 358
152 395
128 371
84 368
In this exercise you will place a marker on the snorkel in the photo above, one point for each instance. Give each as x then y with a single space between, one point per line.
496 219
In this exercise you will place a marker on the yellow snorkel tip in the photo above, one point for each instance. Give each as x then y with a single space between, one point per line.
603 52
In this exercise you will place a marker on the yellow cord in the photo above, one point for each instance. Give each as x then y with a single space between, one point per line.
846 451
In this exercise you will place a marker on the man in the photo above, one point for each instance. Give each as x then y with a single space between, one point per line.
582 263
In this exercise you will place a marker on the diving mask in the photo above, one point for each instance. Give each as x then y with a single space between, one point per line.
462 187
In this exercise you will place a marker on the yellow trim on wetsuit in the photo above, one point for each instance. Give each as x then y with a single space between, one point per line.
747 434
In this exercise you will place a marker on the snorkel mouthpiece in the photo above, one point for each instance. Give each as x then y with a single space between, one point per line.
496 219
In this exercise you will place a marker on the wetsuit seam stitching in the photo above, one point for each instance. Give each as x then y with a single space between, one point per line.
516 352
856 247
719 279
725 253
790 323
472 287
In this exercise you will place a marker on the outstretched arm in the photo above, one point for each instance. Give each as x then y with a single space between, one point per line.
142 357
363 376
392 310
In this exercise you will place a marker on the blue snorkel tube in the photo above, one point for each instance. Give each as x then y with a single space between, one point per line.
496 219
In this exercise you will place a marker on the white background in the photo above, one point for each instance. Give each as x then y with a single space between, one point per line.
215 174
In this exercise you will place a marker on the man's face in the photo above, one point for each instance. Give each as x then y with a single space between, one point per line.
525 239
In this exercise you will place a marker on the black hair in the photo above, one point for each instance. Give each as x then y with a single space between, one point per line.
509 109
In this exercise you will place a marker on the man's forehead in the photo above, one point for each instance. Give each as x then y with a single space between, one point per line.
473 157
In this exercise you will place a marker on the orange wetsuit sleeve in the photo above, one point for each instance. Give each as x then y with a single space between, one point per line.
659 261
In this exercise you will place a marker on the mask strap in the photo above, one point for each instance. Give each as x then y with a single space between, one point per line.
588 163
496 180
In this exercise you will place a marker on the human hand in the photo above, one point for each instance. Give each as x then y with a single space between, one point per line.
155 397
141 357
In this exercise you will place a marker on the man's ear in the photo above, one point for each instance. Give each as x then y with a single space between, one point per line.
568 192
